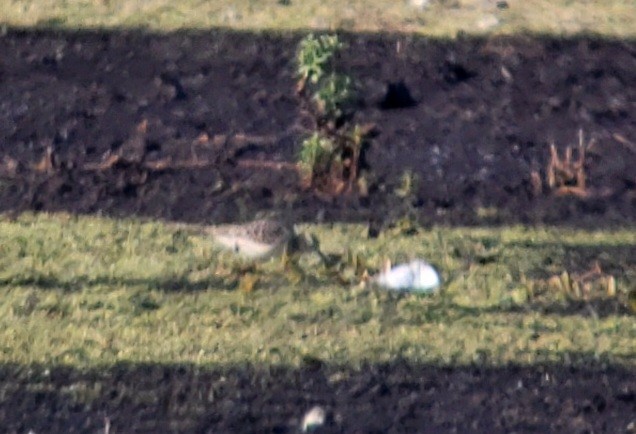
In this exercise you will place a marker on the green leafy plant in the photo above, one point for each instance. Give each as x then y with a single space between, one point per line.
314 155
330 92
314 57
334 95
331 163
330 156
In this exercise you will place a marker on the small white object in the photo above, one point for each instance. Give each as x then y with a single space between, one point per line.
416 276
487 22
314 419
420 4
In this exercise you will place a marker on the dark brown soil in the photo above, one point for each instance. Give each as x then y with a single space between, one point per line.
194 121
391 398
192 126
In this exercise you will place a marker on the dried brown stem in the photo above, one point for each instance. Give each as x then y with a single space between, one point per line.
624 141
567 175
264 164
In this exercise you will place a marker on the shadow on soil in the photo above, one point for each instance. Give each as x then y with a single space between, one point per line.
191 126
395 397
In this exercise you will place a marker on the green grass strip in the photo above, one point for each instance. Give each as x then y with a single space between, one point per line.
90 292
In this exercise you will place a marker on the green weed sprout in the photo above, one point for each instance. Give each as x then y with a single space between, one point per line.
315 153
332 153
314 56
334 95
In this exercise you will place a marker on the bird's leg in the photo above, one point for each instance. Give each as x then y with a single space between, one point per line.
315 246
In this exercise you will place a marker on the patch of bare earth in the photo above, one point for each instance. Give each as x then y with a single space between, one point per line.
390 398
206 127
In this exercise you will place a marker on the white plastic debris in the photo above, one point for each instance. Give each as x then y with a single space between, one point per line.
314 419
416 276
